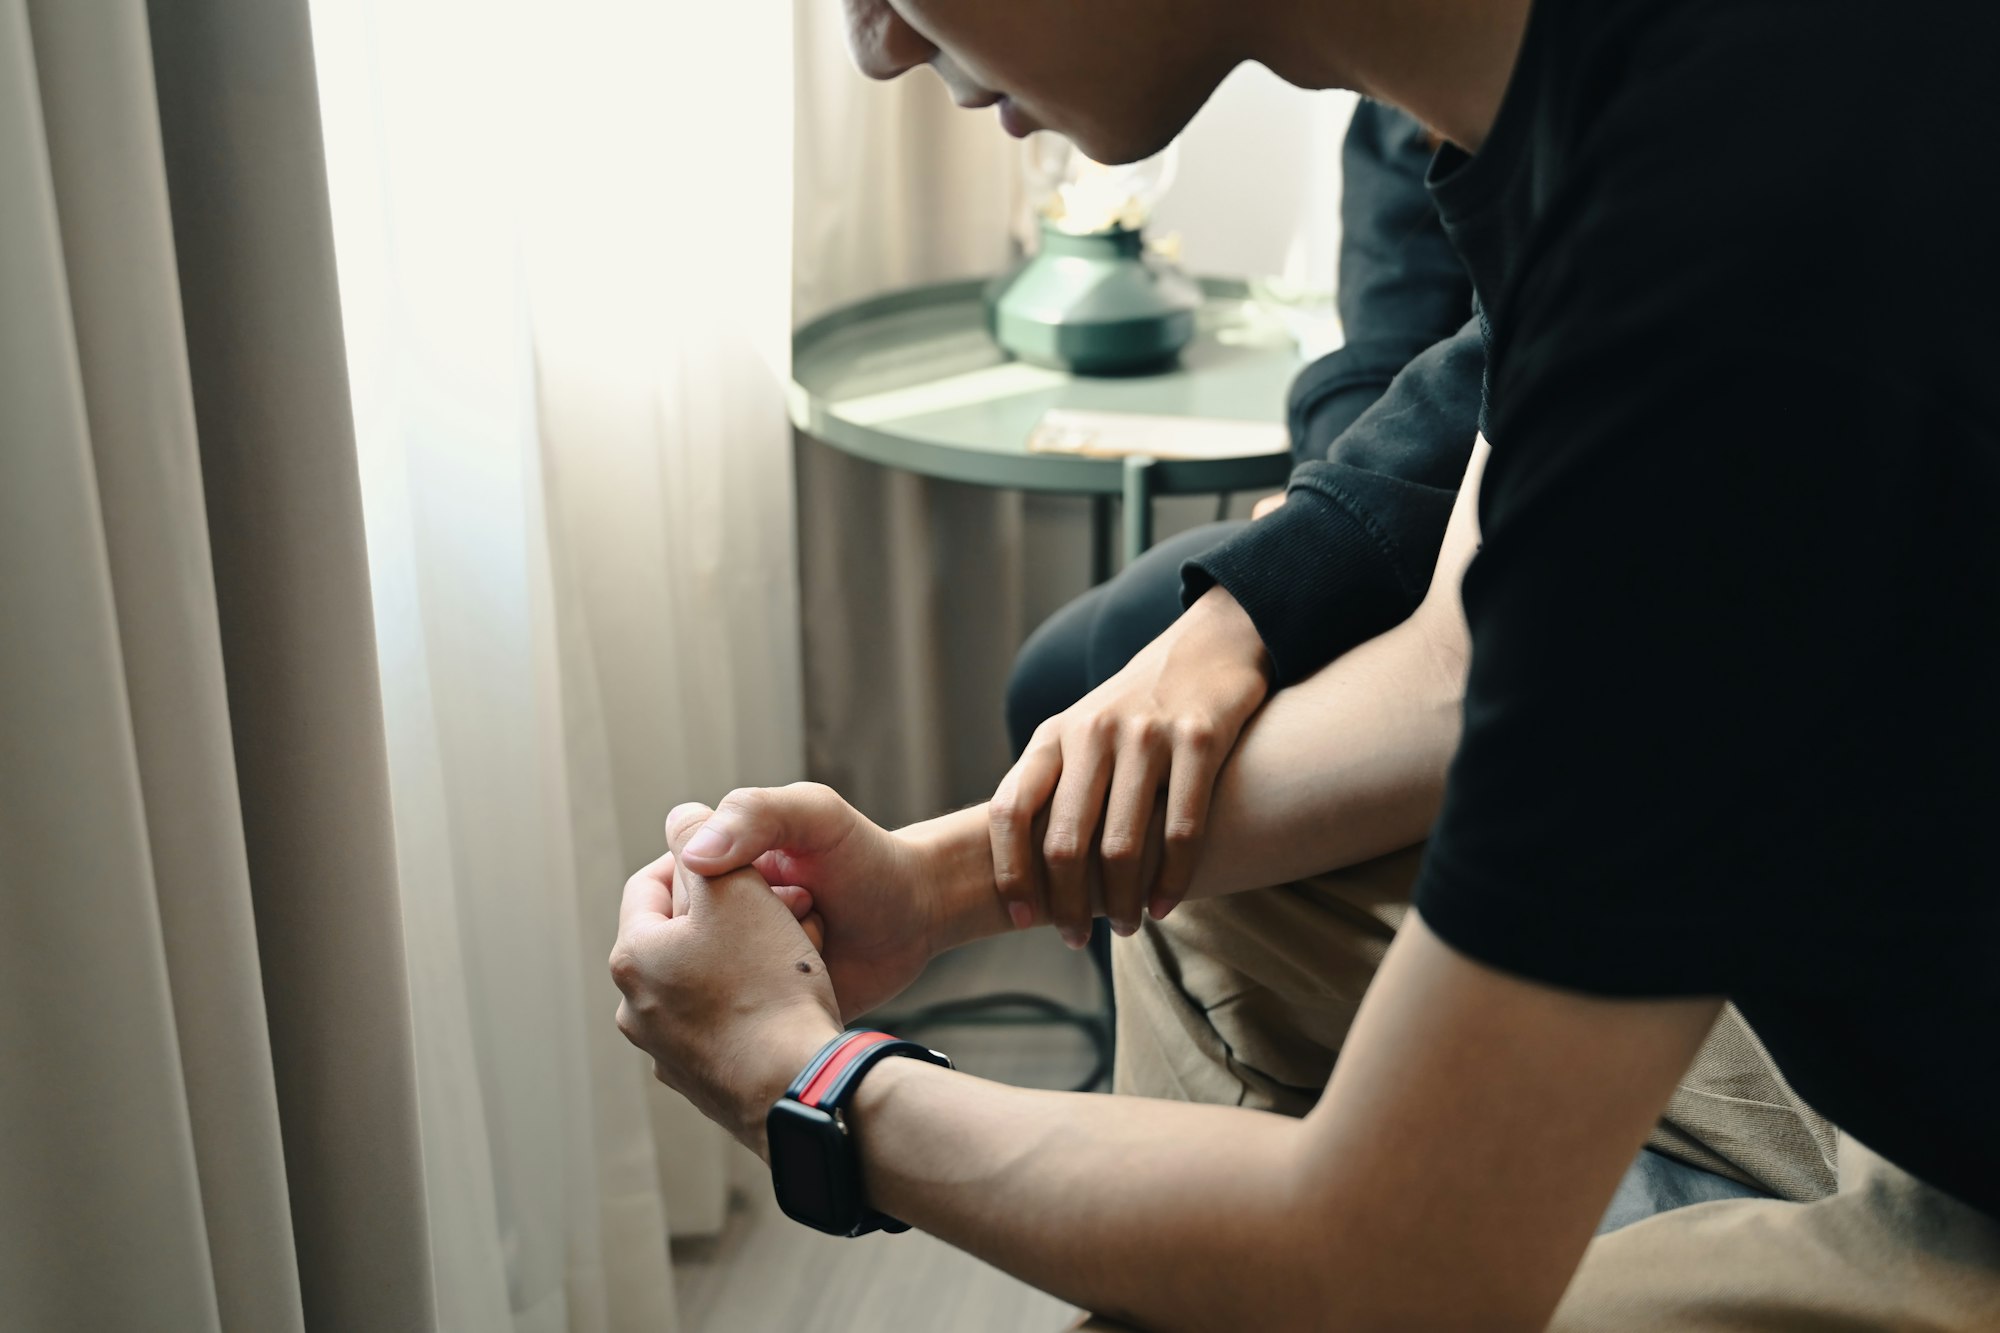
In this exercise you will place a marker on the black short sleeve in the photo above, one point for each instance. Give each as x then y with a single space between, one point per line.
1714 640
1732 723
1734 528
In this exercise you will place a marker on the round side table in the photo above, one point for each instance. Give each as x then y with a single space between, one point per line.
913 380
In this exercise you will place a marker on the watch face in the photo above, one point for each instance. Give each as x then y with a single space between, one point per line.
808 1157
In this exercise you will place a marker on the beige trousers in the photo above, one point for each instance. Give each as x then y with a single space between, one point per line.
1246 1000
1886 1251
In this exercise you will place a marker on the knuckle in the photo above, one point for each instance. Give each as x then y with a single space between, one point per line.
1182 832
1119 848
1146 732
746 801
1004 813
632 1025
1197 733
625 968
1062 849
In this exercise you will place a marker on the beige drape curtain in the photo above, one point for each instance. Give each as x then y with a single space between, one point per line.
207 1104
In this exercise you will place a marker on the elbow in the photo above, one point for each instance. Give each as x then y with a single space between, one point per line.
1445 644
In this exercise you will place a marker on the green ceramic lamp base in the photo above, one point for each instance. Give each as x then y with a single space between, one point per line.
1094 304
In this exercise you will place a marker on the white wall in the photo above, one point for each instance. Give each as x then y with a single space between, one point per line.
1257 195
1258 192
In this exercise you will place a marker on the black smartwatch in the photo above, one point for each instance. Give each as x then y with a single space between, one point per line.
814 1167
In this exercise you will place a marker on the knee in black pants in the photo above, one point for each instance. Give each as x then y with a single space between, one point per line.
1090 640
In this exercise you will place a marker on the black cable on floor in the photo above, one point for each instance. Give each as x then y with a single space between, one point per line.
980 1011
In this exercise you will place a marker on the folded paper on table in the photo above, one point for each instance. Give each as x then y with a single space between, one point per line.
1118 434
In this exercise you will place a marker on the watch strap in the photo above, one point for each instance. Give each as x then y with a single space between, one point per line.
831 1076
829 1081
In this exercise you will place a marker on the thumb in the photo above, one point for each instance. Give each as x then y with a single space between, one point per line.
800 819
685 822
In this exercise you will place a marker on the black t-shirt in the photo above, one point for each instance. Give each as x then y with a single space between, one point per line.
1733 719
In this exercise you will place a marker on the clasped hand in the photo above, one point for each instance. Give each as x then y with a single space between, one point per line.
767 921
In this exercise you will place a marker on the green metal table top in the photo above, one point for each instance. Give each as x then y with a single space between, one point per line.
912 380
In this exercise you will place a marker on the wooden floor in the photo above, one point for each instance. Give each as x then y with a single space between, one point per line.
767 1274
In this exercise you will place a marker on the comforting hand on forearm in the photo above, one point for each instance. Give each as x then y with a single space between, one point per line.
1156 764
1094 776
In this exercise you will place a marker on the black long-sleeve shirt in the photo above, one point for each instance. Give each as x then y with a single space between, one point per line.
1383 426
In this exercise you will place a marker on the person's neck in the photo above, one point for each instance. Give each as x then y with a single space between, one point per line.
1446 62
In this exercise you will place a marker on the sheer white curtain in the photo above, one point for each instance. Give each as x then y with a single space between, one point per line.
914 591
563 235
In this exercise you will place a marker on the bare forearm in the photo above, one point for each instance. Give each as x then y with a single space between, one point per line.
955 857
1342 767
1351 763
1166 1214
1448 1178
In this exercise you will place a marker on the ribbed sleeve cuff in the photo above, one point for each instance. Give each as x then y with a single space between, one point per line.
1314 580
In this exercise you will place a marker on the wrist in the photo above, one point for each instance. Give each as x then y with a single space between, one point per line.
952 866
785 1048
1226 630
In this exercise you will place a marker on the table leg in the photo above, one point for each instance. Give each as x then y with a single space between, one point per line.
1102 551
1138 506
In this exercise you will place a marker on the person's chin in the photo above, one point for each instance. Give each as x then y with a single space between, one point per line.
1110 144
1015 121
1119 149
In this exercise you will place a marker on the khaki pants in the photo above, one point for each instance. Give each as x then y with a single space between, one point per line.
1885 1252
1246 1000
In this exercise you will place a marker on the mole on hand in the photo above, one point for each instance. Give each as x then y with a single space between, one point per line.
803 966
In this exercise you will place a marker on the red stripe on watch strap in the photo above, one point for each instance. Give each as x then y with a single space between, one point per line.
839 1061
